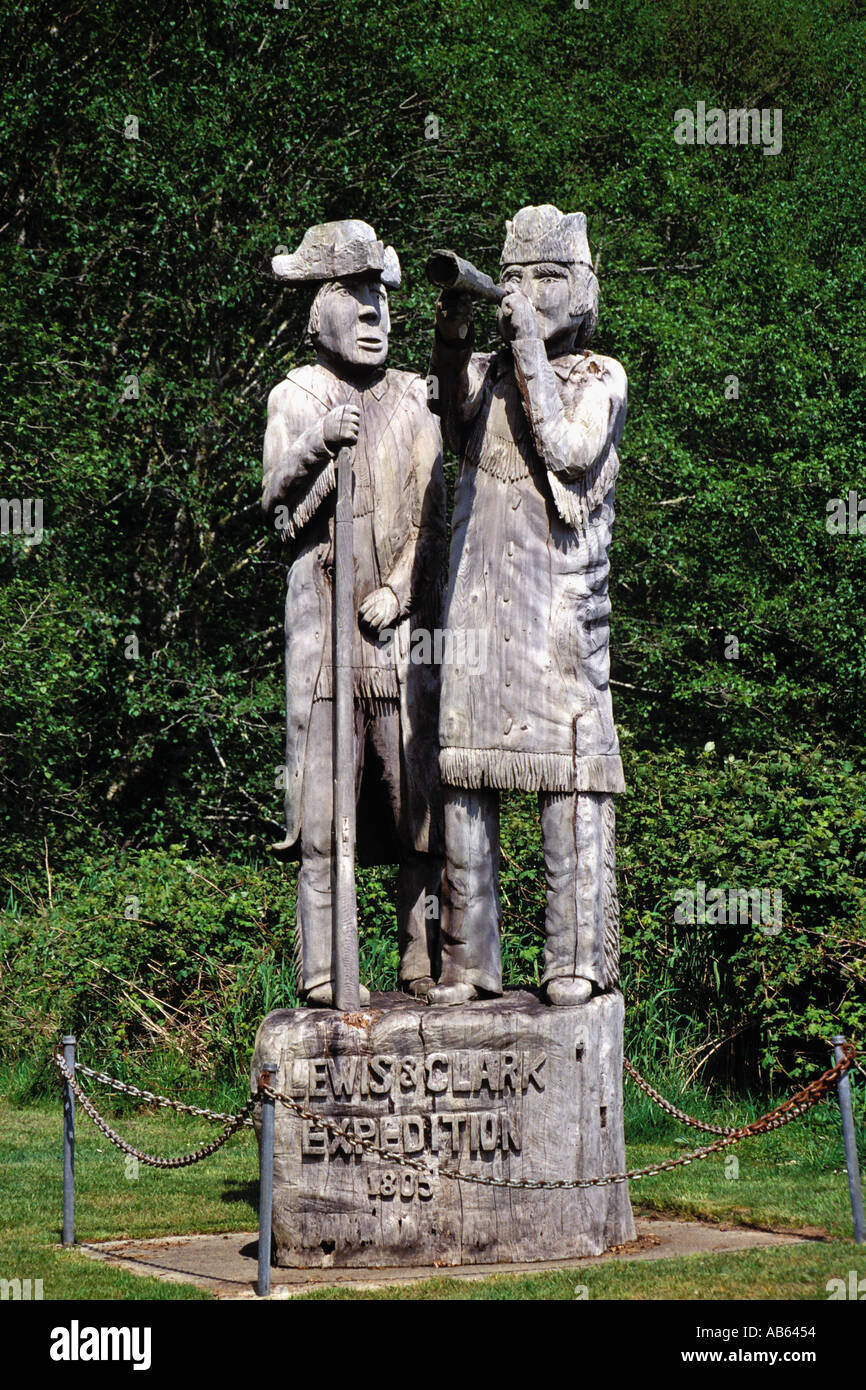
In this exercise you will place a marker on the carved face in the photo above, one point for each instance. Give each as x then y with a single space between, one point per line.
549 289
352 320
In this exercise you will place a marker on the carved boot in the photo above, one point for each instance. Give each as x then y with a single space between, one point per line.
452 994
323 996
562 992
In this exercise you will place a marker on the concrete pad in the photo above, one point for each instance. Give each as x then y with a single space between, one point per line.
226 1264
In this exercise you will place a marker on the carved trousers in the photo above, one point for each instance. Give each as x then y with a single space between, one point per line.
377 741
582 909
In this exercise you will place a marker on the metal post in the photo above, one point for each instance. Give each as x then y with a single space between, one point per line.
266 1182
68 1235
347 981
850 1138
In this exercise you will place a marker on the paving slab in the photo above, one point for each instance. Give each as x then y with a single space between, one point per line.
226 1264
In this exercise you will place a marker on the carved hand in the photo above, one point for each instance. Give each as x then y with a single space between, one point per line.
517 317
453 315
341 425
379 609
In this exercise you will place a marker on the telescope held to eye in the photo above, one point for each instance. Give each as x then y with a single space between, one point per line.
449 271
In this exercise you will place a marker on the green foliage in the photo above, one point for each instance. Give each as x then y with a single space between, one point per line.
763 998
149 258
738 1000
209 950
182 988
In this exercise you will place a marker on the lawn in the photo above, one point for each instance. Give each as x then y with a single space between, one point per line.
792 1179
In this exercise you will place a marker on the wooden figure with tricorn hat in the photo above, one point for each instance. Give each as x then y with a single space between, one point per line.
366 570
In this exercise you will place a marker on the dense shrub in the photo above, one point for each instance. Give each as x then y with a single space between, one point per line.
148 258
212 949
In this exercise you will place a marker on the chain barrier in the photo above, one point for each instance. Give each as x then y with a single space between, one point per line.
798 1104
127 1088
663 1104
185 1160
810 1095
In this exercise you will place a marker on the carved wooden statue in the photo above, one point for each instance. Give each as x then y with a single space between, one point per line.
476 1134
537 425
349 398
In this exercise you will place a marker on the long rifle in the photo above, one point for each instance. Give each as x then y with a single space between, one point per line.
347 981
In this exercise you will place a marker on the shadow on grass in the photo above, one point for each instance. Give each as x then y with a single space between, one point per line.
237 1191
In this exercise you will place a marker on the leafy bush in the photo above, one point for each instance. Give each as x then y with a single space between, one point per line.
744 1000
149 258
144 262
211 951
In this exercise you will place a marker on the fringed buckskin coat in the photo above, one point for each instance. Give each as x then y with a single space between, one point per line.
529 567
400 542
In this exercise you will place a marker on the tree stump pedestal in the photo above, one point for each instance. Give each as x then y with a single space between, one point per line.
499 1088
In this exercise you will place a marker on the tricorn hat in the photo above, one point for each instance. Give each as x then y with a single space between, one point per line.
545 234
335 249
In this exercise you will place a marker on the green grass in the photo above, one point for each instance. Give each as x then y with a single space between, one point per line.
798 1273
792 1179
219 1194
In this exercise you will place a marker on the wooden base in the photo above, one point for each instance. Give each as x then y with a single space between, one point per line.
506 1087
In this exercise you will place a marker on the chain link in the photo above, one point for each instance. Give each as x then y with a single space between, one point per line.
127 1088
666 1105
184 1161
810 1095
